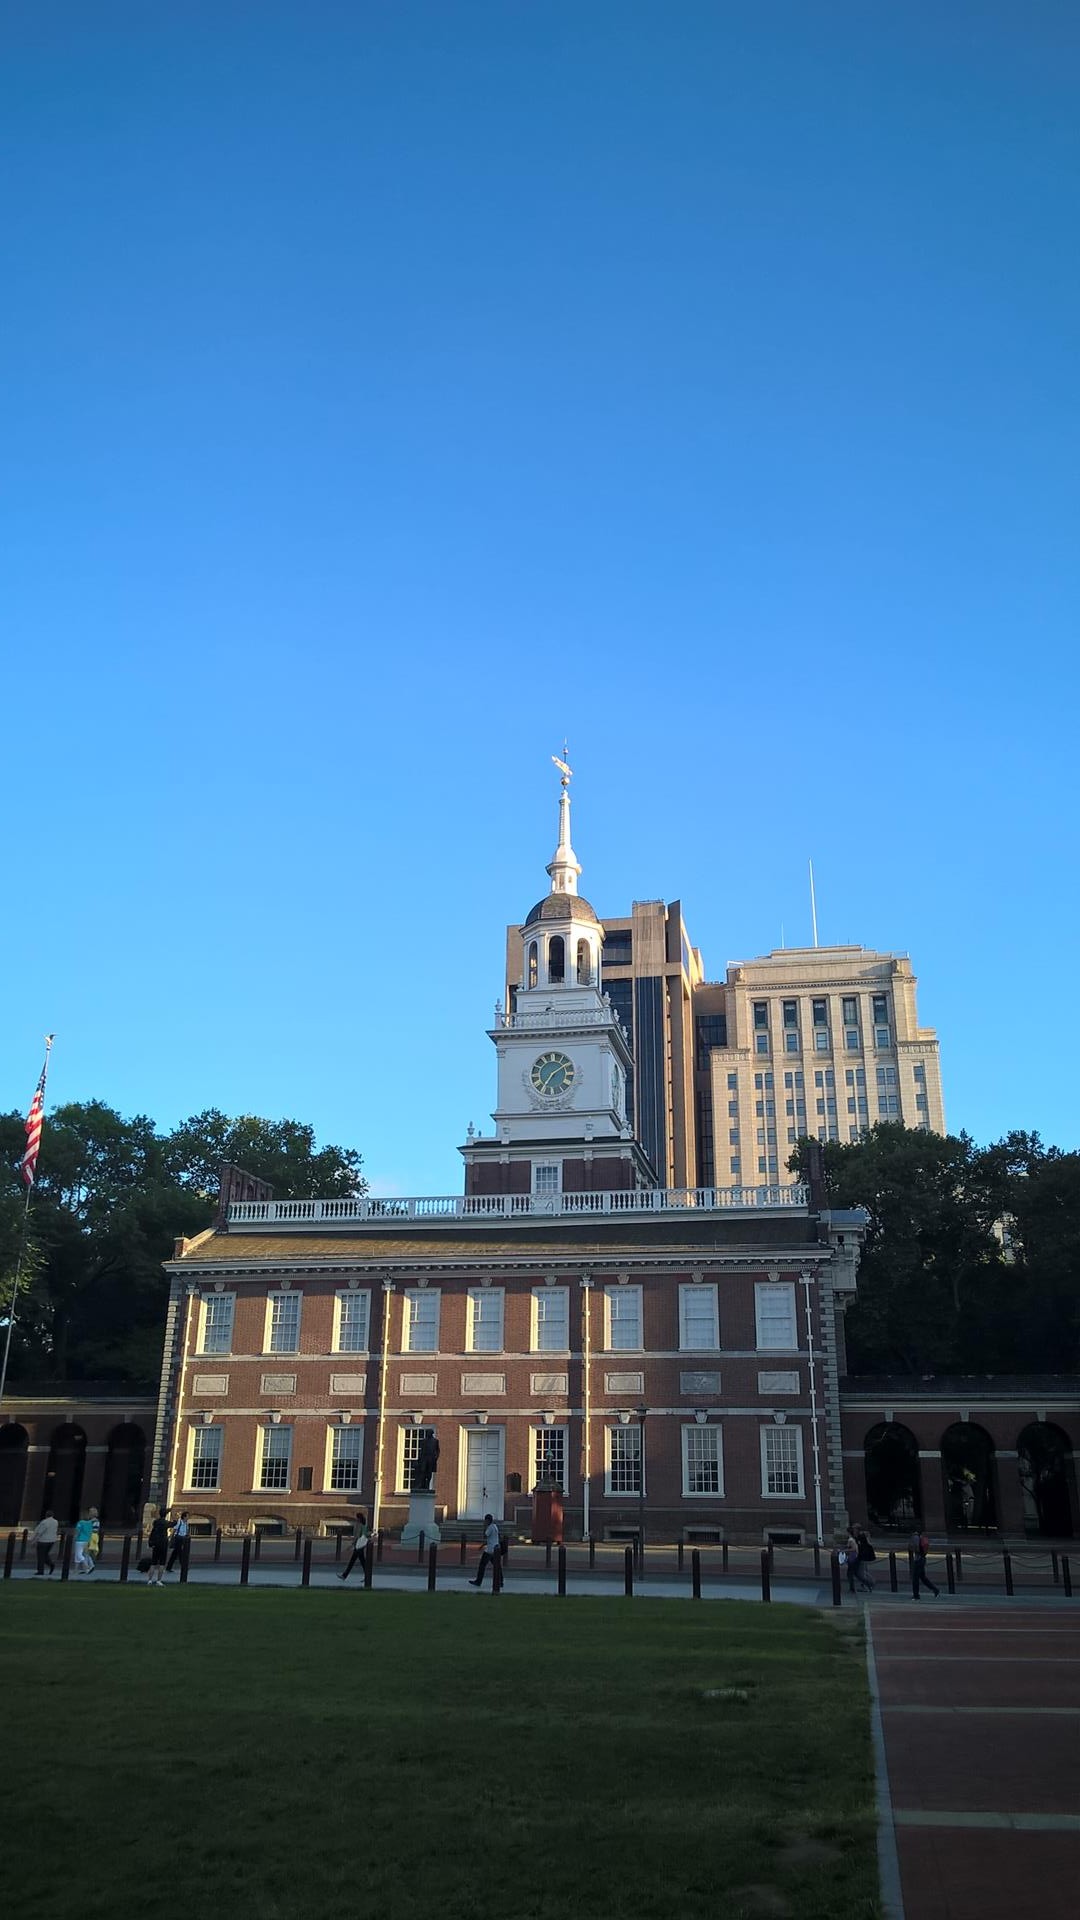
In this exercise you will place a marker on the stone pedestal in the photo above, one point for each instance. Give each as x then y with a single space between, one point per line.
421 1519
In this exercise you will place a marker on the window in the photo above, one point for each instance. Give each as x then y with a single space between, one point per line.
699 1318
761 1043
851 1039
791 1013
547 1176
763 1082
791 1136
888 1105
421 1328
820 1011
881 1020
761 1013
733 1136
734 1168
774 1307
921 1102
703 1464
623 1318
411 1441
584 965
618 947
484 1332
850 1008
276 1453
353 1315
919 1073
821 1040
624 1460
284 1327
733 1109
556 959
551 1319
549 1457
791 1042
532 972
781 1462
855 1076
217 1323
886 1076
346 1454
204 1472
733 1082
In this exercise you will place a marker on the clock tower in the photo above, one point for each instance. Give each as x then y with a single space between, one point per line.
561 1124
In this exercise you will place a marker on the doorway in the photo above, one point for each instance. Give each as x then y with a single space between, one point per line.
482 1473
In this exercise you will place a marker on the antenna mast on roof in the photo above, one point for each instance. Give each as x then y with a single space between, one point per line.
813 902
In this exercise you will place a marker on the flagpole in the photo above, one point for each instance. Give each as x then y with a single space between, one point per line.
22 1236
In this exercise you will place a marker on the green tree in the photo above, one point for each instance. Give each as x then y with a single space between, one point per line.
112 1194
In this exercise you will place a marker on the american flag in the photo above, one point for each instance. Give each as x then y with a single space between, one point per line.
34 1121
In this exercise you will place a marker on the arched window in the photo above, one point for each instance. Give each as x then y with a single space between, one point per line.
121 1498
531 975
893 1489
556 958
14 1447
584 965
64 1474
967 1470
1047 1480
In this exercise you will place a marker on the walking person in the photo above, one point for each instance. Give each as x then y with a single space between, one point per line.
866 1554
918 1548
179 1539
855 1572
360 1538
492 1551
45 1536
158 1543
85 1531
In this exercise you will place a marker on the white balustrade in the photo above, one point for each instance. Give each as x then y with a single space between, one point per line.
434 1209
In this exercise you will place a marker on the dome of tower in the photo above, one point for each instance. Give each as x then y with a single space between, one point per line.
561 906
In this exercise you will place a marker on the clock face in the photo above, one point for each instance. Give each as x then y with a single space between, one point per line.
552 1074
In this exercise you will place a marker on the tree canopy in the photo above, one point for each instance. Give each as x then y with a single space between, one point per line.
111 1196
972 1256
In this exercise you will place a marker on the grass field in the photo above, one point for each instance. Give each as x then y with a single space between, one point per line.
286 1755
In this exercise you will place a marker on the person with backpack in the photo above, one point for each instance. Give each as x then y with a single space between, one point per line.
361 1537
44 1539
158 1544
492 1551
918 1548
855 1570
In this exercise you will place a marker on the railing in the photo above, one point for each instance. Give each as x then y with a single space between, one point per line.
432 1209
562 1017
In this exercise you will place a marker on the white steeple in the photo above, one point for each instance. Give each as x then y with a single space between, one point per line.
565 866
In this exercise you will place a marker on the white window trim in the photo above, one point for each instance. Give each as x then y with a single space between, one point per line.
277 1293
201 1349
352 1293
638 1494
565 1431
547 1165
328 1463
190 1464
800 1494
718 1431
699 1290
765 1346
611 1293
424 1293
473 1296
257 1485
548 1293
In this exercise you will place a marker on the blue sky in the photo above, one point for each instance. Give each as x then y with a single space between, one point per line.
391 389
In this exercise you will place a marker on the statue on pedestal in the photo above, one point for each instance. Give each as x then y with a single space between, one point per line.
426 1462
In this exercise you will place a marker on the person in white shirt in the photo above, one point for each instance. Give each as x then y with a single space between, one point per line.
492 1551
360 1541
176 1545
45 1536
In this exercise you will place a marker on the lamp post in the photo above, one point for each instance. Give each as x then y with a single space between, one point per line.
641 1414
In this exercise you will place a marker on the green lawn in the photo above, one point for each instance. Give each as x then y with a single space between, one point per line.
280 1756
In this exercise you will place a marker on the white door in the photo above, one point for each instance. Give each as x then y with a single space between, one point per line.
483 1489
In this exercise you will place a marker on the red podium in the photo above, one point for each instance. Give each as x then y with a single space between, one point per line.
547 1517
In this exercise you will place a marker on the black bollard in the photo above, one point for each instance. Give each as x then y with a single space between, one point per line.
680 1555
298 1543
245 1559
834 1568
504 1546
217 1545
420 1549
125 1559
369 1563
723 1556
950 1573
766 1573
9 1556
628 1572
959 1564
138 1544
25 1538
1006 1562
432 1566
461 1561
338 1538
258 1543
1066 1576
65 1559
817 1561
893 1578
695 1574
185 1559
547 1553
305 1569
560 1587
592 1553
497 1572
379 1546
1055 1569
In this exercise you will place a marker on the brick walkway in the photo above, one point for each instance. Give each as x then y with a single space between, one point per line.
981 1718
